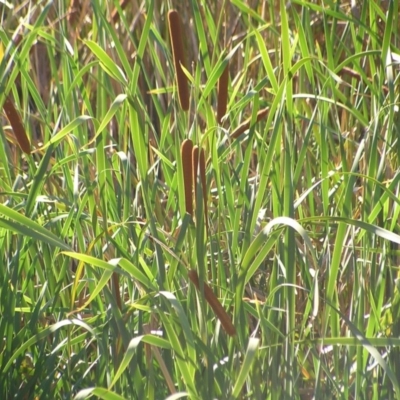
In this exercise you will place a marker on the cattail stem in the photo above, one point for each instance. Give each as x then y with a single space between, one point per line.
186 156
214 303
175 33
222 94
16 124
246 124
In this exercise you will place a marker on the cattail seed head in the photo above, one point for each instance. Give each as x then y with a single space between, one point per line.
222 94
199 169
195 165
186 156
246 124
175 33
214 303
16 124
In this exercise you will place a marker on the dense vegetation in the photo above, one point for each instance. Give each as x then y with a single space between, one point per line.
221 222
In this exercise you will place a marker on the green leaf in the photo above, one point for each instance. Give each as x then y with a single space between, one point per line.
103 393
106 62
249 357
120 99
67 129
18 223
131 350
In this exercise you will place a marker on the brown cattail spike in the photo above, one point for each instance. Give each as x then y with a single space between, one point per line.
199 169
116 289
214 303
202 171
16 124
246 124
195 165
222 94
186 156
175 33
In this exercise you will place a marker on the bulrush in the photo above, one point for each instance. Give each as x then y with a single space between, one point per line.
16 124
246 124
214 303
186 156
178 53
222 94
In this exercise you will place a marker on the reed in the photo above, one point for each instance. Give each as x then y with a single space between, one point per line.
222 94
186 156
175 33
246 124
17 126
214 303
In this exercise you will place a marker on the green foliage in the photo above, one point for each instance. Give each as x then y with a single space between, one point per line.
301 245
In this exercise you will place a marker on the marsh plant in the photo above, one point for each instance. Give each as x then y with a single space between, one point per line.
199 199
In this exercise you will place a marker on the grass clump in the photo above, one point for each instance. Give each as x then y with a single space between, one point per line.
245 246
